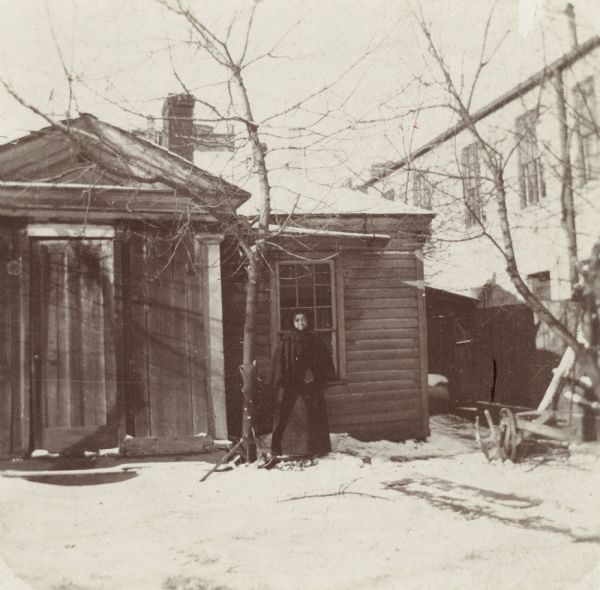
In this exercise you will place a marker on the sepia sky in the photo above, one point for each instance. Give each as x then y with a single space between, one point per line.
123 56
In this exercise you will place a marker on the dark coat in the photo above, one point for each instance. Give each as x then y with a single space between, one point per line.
297 352
301 366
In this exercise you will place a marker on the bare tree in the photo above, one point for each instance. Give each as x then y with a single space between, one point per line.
459 99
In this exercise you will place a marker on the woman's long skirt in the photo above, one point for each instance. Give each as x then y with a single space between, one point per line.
300 424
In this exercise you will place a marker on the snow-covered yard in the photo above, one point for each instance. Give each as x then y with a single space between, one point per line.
448 520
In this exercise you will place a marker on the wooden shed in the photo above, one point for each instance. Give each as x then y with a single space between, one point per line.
354 263
110 296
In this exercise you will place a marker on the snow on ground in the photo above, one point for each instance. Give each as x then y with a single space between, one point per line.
374 515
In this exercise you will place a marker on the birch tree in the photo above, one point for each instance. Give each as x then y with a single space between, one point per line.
459 97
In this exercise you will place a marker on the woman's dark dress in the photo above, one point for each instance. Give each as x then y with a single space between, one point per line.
301 366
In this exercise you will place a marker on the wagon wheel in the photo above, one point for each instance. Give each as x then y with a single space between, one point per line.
490 446
484 445
509 436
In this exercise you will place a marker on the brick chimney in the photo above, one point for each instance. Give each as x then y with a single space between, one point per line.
178 124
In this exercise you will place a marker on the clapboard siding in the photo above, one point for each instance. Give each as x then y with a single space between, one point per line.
374 323
379 393
405 359
365 407
398 385
368 417
378 293
395 430
382 342
382 334
371 355
407 315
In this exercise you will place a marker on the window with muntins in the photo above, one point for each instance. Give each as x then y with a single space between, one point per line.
587 130
309 287
423 191
471 173
531 173
539 283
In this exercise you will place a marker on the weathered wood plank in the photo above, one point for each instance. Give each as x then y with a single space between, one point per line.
76 340
387 282
179 336
396 431
381 334
373 272
6 369
384 395
50 346
368 355
381 303
385 365
121 333
367 376
404 384
366 407
137 353
375 417
65 393
374 323
196 305
159 356
363 345
21 339
422 315
94 359
380 262
166 445
355 292
409 318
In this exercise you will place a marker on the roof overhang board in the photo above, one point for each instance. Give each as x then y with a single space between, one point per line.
84 202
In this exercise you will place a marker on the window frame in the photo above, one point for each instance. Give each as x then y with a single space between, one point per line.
422 191
532 186
586 129
471 176
540 284
337 330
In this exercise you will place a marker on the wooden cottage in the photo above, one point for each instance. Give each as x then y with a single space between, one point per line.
110 294
354 263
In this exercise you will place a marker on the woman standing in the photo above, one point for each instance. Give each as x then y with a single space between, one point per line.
301 367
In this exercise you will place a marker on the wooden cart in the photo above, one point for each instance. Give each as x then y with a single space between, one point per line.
514 431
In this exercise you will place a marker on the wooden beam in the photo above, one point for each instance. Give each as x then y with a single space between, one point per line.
213 326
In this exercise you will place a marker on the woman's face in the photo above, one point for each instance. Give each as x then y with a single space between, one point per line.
300 322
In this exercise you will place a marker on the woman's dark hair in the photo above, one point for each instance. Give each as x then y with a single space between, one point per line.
301 312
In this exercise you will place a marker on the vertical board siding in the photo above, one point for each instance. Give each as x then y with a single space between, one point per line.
6 358
73 326
168 393
195 300
134 281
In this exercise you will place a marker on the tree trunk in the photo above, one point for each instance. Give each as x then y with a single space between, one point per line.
249 362
256 256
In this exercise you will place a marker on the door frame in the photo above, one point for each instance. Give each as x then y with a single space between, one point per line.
63 231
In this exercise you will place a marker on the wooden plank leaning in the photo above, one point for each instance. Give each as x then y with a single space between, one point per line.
222 460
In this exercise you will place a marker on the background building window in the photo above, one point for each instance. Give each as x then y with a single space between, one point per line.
531 174
471 173
587 130
539 283
308 286
422 191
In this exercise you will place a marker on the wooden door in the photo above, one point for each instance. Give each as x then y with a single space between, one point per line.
168 394
74 373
